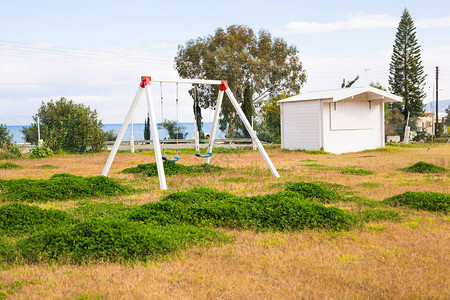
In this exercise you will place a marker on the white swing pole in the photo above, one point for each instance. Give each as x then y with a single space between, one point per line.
214 125
250 130
122 132
156 143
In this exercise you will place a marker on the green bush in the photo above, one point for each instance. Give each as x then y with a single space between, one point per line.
356 171
377 215
424 167
315 191
41 151
60 187
8 165
430 201
111 240
100 210
68 126
206 207
17 219
171 168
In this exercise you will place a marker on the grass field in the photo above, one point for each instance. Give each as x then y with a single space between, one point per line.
405 258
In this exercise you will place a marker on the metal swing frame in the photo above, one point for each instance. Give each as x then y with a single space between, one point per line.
145 87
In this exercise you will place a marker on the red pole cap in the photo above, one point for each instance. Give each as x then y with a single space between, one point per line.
223 85
145 80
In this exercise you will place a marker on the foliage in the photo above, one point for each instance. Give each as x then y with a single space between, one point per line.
315 191
430 201
281 211
100 210
60 187
110 135
147 128
174 129
349 83
377 215
9 165
5 135
407 78
18 219
356 171
67 126
171 168
111 240
41 151
248 109
269 125
237 54
447 117
424 167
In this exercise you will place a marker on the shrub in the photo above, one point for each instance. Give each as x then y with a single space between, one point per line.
60 187
41 151
430 201
356 171
5 136
17 218
206 207
68 126
100 210
8 165
424 167
112 240
171 168
376 215
315 191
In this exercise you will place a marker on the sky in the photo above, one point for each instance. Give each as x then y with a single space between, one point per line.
94 52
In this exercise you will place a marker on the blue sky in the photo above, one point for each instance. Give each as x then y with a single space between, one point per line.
95 51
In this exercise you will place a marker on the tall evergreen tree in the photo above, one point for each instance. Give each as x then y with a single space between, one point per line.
147 128
407 78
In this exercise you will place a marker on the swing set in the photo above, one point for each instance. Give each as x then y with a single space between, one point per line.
145 87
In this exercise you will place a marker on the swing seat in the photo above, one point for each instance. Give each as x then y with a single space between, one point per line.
176 158
209 154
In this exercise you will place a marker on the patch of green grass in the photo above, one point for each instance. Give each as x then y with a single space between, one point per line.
47 166
370 185
430 201
60 187
309 160
110 239
378 215
18 219
361 201
319 166
315 191
100 210
424 167
286 210
14 287
171 168
356 171
234 179
8 165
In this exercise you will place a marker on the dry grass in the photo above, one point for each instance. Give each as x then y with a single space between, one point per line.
404 260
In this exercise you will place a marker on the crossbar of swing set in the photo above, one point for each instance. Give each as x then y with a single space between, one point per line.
188 81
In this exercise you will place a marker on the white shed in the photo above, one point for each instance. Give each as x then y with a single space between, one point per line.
339 121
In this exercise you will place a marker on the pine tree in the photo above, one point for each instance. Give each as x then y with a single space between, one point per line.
147 128
407 77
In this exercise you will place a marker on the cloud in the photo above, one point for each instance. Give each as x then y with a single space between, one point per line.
358 22
433 23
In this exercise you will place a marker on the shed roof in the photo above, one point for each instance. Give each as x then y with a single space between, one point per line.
360 93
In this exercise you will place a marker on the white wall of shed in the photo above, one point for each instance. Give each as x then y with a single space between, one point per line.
301 125
353 140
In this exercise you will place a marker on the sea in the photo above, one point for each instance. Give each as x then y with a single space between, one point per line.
138 131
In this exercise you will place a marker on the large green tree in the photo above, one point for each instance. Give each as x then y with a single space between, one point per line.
407 78
67 126
269 123
265 63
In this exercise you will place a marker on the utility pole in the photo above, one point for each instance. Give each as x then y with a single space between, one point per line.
437 99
